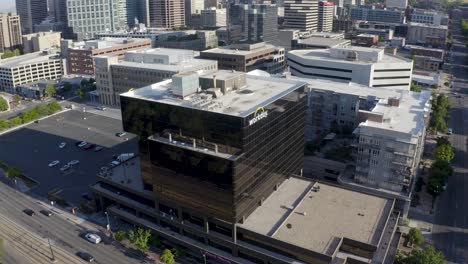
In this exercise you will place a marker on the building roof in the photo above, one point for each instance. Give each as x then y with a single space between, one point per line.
316 216
258 92
104 43
232 50
325 55
179 67
415 24
30 58
324 42
404 121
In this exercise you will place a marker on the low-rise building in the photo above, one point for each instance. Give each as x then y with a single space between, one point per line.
248 57
200 40
424 51
385 33
295 39
372 14
427 63
366 40
419 33
366 66
28 68
140 68
80 56
40 41
155 35
35 90
401 4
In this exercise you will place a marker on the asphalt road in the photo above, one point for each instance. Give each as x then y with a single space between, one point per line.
62 229
33 147
450 232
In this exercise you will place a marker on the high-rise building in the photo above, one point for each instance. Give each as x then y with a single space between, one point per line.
301 14
325 16
41 41
193 8
90 17
10 31
213 17
372 14
31 12
258 22
166 13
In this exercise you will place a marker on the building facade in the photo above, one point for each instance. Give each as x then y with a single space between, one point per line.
325 16
421 33
429 17
301 15
213 17
372 14
41 41
248 57
401 4
29 68
166 13
366 66
88 18
10 32
80 56
201 40
140 68
31 12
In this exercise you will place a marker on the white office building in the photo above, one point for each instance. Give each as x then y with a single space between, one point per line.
429 17
43 65
366 66
325 16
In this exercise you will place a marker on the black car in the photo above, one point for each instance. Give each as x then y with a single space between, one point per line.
86 196
77 143
46 212
98 148
29 212
90 146
85 256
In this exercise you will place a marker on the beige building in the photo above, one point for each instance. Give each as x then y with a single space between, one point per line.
41 41
167 13
419 33
140 68
10 31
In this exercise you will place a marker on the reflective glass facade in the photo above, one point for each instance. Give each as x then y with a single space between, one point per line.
214 164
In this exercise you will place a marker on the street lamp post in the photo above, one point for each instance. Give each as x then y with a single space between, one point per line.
108 222
204 257
51 252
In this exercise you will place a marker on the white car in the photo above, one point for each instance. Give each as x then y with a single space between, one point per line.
93 238
65 167
450 131
62 145
73 162
53 163
82 144
114 163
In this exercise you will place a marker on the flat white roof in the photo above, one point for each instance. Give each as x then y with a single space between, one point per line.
317 220
106 43
26 59
179 67
259 91
415 24
233 51
324 55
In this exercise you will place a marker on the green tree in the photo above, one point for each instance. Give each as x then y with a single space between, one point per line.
437 122
13 172
442 167
415 236
415 88
140 238
16 52
15 121
3 104
53 108
427 255
7 54
4 124
434 86
84 83
435 186
81 93
30 115
444 153
119 235
178 252
50 90
92 80
67 87
167 257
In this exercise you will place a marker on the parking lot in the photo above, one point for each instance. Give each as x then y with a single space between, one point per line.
33 147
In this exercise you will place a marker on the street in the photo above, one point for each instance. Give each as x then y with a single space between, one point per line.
450 232
63 230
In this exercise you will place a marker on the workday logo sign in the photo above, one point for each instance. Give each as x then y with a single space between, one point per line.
260 113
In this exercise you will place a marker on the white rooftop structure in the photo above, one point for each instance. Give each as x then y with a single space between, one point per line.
104 43
240 101
30 58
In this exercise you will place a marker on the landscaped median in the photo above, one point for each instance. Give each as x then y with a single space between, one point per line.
30 115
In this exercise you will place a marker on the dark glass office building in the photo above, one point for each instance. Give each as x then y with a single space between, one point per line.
219 163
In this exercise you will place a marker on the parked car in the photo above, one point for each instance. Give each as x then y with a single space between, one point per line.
85 256
93 238
53 163
98 148
65 167
46 213
120 134
82 144
102 108
90 146
114 163
78 143
73 162
29 212
450 131
62 145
